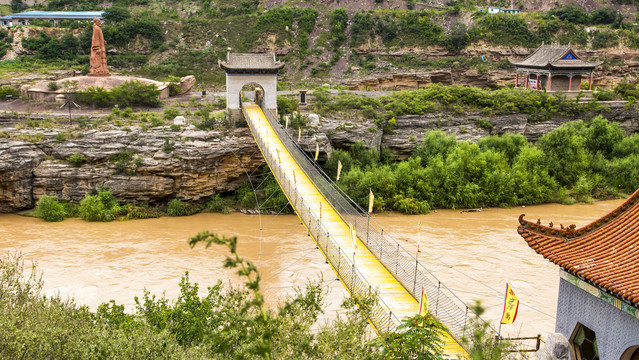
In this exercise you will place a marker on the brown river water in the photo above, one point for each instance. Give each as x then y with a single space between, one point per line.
474 254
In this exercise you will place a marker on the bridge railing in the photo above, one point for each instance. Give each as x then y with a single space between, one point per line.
453 312
380 314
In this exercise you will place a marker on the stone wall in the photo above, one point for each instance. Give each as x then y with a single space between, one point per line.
615 330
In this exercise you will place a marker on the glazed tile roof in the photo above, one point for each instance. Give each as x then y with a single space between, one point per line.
558 56
604 252
250 62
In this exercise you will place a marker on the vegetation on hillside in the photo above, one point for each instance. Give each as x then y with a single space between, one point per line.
186 37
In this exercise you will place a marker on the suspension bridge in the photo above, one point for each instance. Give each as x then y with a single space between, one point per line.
378 266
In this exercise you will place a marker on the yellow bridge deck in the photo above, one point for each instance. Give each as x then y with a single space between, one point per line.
398 299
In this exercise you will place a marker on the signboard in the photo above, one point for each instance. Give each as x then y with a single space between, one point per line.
532 83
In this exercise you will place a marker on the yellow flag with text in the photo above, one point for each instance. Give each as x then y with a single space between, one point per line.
339 169
299 134
316 151
423 304
511 305
371 199
286 126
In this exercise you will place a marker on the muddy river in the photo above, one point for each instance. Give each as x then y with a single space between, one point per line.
474 254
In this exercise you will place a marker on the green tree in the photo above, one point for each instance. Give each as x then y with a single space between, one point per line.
116 14
338 20
566 155
49 209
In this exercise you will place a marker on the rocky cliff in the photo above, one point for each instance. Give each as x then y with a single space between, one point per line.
157 165
138 166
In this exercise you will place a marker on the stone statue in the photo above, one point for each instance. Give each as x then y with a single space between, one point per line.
98 51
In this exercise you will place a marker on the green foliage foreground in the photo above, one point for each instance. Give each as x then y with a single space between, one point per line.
574 162
226 323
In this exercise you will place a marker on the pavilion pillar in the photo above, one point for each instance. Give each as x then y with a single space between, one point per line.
538 81
590 83
549 81
527 75
570 83
517 80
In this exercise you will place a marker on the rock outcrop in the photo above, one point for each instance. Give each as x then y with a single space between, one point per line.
137 166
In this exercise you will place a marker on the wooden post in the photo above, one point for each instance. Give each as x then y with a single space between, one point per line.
570 83
590 83
538 82
526 85
517 80
549 81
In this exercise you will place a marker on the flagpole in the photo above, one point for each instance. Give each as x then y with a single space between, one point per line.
505 292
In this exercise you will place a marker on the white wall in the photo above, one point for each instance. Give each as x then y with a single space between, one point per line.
235 82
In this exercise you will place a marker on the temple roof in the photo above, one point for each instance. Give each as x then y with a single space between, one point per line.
604 252
248 62
557 56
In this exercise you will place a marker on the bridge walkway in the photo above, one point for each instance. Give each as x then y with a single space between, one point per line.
358 269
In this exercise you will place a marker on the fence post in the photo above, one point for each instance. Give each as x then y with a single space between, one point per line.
353 280
439 284
339 259
465 319
397 263
415 279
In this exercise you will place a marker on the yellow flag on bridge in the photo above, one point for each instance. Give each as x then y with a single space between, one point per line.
316 151
371 198
423 304
339 169
511 305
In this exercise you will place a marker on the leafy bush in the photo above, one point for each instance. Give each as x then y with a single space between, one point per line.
176 207
76 160
100 207
5 91
49 209
131 93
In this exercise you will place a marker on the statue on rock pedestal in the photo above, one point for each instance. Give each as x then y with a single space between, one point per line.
98 51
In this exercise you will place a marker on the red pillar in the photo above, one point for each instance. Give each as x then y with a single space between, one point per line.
517 80
527 80
590 84
570 83
538 82
549 81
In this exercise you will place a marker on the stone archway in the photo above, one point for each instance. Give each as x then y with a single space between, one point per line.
243 69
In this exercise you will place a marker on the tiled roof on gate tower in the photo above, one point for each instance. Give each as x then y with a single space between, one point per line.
555 56
604 252
250 62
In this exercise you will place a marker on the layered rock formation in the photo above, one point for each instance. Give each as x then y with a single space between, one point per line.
137 166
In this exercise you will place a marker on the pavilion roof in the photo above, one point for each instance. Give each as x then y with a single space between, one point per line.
249 62
557 56
604 252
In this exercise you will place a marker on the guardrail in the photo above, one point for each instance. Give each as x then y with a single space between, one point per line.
447 307
380 314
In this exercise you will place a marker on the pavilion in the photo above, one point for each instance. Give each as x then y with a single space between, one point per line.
598 301
554 67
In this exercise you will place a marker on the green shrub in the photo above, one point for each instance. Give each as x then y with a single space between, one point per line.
49 209
76 160
5 91
133 92
52 86
100 207
176 207
170 113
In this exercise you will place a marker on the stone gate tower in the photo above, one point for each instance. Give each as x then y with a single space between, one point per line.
242 69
